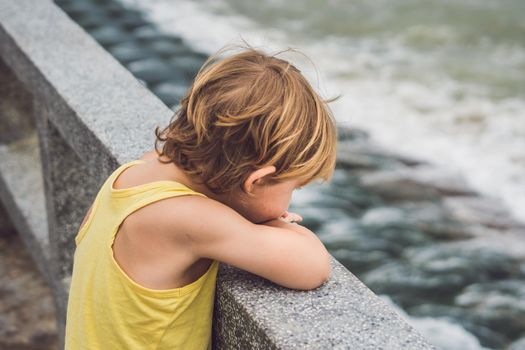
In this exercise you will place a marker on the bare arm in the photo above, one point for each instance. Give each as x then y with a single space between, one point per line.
293 258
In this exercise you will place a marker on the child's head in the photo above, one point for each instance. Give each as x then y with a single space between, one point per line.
248 120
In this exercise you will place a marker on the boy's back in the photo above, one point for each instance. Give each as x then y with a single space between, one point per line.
117 305
148 252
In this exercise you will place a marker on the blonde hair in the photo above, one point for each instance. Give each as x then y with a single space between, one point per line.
245 112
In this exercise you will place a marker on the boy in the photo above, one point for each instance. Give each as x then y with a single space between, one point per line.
249 131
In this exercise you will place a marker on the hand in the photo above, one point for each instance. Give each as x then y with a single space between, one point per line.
290 217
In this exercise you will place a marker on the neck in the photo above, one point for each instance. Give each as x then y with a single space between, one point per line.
177 174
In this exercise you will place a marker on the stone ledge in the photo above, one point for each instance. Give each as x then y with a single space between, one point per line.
342 313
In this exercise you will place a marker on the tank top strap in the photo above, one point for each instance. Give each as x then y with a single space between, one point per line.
111 206
133 203
154 185
127 200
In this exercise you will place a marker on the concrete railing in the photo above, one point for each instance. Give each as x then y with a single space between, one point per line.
69 115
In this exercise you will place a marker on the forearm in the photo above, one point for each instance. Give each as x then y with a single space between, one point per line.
307 233
294 227
290 226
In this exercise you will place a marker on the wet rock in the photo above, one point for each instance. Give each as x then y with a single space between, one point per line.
359 251
109 35
385 158
510 243
76 9
439 272
358 261
482 293
315 217
392 224
487 337
154 70
130 20
463 316
433 219
170 92
115 9
442 331
406 282
146 32
499 305
399 235
446 231
416 183
343 180
91 20
446 334
351 160
427 211
439 310
348 133
347 233
383 216
487 211
351 156
340 233
130 51
165 47
188 63
352 198
472 264
311 197
427 217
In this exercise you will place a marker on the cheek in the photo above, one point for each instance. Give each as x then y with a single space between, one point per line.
267 210
277 204
271 203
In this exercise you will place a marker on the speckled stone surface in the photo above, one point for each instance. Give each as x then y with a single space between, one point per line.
93 115
255 313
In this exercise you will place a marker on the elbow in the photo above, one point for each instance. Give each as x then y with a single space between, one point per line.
322 274
326 270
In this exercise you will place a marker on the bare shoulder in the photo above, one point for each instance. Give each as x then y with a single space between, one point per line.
192 220
210 229
176 216
149 155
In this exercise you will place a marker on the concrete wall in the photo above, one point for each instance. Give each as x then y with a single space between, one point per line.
69 115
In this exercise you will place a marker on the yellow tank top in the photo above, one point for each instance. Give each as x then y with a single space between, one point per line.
106 309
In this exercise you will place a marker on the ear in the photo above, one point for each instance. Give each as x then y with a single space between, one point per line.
256 176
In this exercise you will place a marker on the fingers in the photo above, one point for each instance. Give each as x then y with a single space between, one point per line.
291 217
